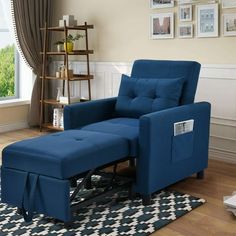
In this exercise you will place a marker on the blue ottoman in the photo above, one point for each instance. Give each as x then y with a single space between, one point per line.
36 173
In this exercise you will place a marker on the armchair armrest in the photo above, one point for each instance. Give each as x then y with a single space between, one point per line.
157 166
81 114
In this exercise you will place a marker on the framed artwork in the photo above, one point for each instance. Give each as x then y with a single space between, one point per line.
185 31
229 24
161 3
185 13
207 20
228 3
162 25
180 2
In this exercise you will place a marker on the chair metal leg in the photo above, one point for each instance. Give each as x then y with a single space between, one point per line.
147 199
200 174
132 162
73 183
19 211
88 183
68 224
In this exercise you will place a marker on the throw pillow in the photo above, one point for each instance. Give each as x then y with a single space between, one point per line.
139 96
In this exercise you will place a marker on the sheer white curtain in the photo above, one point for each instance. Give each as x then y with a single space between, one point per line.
7 11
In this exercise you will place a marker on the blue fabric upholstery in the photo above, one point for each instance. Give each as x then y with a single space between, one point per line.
81 114
141 96
189 70
63 155
159 164
127 128
51 195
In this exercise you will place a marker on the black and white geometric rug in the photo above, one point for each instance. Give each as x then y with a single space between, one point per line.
105 218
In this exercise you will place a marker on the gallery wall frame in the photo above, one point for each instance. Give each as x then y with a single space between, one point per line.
207 20
162 25
229 24
185 13
228 3
185 31
161 4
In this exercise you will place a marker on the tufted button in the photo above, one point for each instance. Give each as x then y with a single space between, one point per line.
132 95
78 139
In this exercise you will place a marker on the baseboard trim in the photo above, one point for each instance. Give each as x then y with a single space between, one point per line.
220 155
14 126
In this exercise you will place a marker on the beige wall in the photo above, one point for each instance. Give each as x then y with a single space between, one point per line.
13 117
122 33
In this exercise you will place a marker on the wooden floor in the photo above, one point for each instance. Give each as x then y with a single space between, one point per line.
211 219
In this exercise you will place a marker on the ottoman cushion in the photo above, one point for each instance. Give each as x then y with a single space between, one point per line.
65 154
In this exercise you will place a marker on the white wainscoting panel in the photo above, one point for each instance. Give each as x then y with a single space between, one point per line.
217 85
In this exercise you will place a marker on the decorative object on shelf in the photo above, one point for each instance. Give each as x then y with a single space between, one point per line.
69 19
161 3
58 74
207 20
65 100
62 71
228 3
162 25
59 45
69 73
69 42
185 13
58 94
185 31
229 24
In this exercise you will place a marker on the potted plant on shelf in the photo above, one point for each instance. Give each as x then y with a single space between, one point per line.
69 41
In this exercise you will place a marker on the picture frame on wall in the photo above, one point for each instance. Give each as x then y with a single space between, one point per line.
161 3
185 31
207 20
162 25
185 13
228 3
229 24
181 2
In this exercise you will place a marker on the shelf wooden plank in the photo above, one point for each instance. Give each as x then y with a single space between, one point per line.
77 27
53 102
50 126
79 77
76 77
75 52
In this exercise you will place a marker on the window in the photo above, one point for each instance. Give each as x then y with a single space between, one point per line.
9 60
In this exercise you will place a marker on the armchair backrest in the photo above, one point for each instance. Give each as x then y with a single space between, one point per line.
166 69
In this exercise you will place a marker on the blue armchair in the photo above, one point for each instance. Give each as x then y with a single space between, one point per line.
158 95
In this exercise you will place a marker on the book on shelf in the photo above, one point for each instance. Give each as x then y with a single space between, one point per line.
66 101
58 118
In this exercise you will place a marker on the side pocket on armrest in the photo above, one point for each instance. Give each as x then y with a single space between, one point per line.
182 146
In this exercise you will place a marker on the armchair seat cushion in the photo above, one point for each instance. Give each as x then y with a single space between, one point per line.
127 128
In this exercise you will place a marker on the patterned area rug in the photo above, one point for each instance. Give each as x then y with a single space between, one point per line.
106 218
